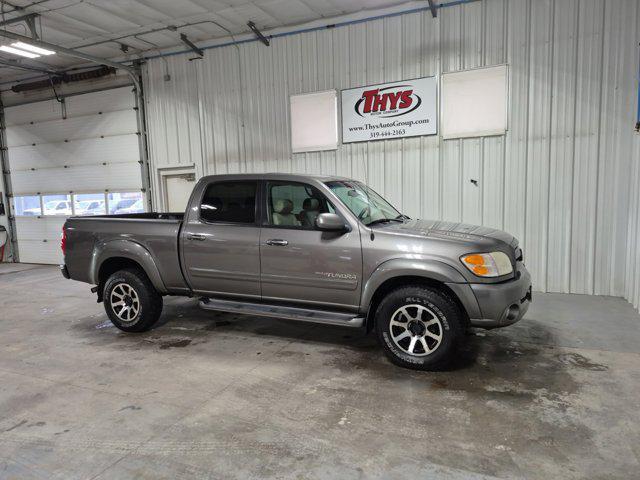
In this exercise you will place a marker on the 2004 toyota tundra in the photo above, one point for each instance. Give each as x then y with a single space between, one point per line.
308 248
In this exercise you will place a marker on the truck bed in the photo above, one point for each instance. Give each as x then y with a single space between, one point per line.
156 232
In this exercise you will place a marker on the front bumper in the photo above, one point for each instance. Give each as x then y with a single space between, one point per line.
503 304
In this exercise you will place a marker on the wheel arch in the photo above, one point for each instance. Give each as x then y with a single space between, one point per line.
405 280
116 255
404 271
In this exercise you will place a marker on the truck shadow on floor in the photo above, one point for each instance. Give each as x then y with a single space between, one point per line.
184 324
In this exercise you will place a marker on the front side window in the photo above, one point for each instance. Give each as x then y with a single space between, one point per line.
229 202
364 203
295 205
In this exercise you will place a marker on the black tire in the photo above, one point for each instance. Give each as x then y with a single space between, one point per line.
433 314
144 296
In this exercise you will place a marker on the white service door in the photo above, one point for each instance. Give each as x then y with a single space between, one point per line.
68 158
178 189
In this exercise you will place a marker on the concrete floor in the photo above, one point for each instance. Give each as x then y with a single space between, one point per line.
221 396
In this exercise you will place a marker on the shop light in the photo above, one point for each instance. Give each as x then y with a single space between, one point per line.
32 48
16 51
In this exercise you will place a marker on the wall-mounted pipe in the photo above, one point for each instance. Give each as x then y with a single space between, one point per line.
638 114
315 29
238 42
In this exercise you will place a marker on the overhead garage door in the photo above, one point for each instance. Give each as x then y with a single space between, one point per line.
76 157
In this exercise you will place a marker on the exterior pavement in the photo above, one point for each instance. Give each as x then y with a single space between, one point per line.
208 395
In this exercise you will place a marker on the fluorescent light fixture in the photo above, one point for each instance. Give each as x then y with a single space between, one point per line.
16 51
32 48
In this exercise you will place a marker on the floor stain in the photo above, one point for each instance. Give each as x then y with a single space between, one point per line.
175 343
17 425
130 407
577 360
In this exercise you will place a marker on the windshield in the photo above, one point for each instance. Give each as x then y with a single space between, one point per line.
363 202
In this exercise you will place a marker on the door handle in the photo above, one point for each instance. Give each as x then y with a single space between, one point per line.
196 236
276 242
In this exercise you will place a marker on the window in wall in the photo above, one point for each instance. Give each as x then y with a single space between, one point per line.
295 205
57 205
27 206
88 204
314 122
229 202
125 203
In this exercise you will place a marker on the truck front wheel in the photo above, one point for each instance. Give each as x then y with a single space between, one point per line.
419 327
131 301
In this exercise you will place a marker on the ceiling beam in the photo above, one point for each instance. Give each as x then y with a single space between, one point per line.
13 64
25 66
22 18
73 53
433 6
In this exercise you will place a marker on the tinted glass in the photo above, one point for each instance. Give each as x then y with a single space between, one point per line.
229 202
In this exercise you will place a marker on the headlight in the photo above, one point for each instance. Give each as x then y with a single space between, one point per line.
494 264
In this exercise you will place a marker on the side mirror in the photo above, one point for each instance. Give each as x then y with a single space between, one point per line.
330 222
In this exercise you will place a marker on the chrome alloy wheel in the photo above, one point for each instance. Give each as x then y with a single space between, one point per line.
416 330
125 302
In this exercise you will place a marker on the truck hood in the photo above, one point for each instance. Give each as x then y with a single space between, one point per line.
452 230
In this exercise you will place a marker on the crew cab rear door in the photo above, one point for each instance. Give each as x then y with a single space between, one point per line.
301 264
220 239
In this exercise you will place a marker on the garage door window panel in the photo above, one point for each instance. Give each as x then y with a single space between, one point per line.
124 203
27 206
89 204
56 205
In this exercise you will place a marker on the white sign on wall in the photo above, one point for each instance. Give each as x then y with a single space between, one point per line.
389 110
474 102
314 121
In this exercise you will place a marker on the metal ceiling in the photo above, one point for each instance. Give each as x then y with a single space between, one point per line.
128 29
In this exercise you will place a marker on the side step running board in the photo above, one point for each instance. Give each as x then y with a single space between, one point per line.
287 313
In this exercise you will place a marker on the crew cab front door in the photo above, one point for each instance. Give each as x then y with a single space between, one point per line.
300 263
221 239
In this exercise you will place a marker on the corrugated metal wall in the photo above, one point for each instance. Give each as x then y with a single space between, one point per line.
559 180
632 285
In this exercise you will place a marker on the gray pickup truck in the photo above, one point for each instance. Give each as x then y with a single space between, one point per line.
308 248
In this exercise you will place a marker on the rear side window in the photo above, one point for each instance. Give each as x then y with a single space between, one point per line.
230 202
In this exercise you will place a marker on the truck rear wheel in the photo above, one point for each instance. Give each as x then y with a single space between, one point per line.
131 301
419 327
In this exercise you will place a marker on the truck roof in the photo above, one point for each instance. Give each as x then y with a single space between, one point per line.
276 176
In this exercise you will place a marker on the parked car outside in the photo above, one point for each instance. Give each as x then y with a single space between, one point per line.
90 207
53 207
136 207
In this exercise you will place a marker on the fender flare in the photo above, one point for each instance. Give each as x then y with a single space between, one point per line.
404 267
124 248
